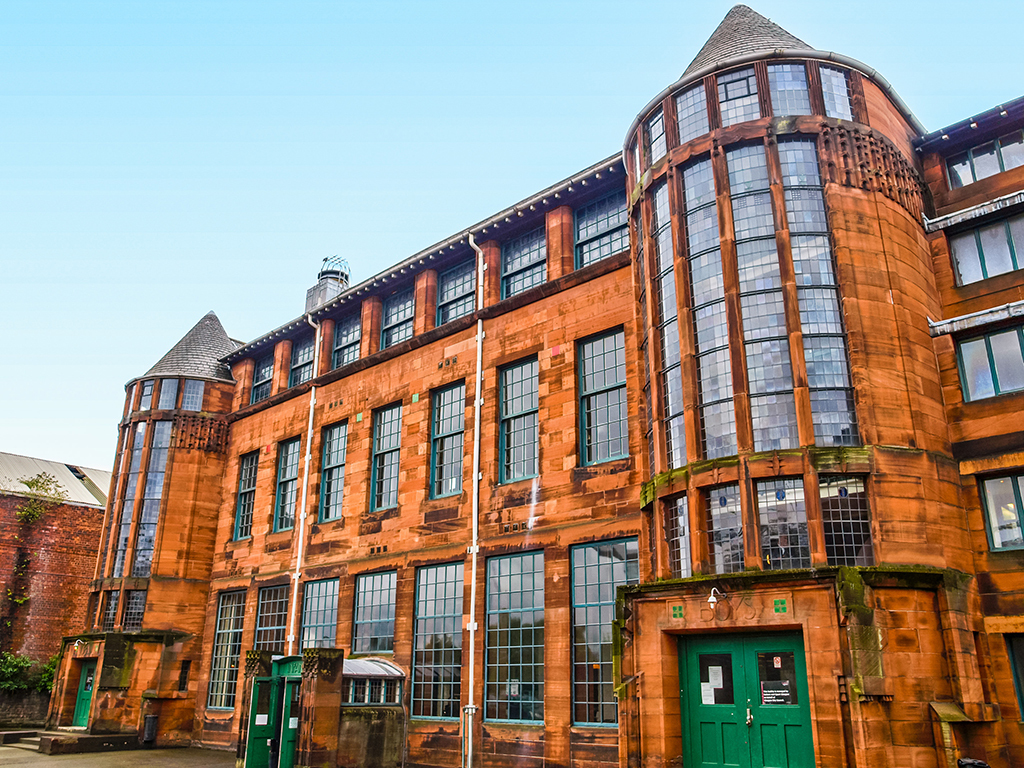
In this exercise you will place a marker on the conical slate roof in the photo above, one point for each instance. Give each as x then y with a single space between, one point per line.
743 31
198 353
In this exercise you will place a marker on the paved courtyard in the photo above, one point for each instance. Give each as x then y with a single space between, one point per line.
137 758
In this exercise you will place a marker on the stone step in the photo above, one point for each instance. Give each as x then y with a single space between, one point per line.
32 745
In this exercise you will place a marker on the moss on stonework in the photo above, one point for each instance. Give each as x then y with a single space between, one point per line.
851 595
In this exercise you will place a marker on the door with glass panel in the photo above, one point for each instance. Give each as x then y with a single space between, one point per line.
744 702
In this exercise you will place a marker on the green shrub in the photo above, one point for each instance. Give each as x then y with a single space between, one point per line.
19 673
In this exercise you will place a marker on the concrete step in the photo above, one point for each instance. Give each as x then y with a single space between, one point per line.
27 745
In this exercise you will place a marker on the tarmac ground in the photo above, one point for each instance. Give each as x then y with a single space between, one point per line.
132 758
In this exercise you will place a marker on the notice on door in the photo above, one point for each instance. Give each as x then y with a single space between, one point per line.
261 719
715 677
776 692
707 693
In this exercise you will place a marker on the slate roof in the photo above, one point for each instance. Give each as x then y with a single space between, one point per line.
83 486
198 353
743 31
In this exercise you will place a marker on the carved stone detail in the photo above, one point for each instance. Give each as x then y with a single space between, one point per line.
201 432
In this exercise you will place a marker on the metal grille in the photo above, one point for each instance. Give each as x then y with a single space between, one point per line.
246 494
347 333
387 440
602 365
397 319
271 619
523 263
598 570
788 86
134 609
602 229
519 439
447 440
287 484
725 529
456 292
303 352
692 114
332 469
227 647
783 516
437 641
145 535
847 519
374 626
514 688
192 397
320 614
677 534
111 600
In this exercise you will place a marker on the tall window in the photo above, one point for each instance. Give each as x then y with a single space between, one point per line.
518 394
602 229
677 534
332 471
146 400
692 114
437 641
262 377
987 251
168 394
287 484
347 333
847 518
641 270
134 610
387 442
714 367
783 518
108 612
373 630
1002 498
655 145
145 535
984 160
737 97
835 87
514 688
397 318
447 425
524 263
456 292
604 429
303 352
992 364
788 86
128 501
320 614
192 397
227 647
766 339
821 319
247 466
725 529
598 570
271 619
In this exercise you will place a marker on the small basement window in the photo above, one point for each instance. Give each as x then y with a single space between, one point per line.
371 683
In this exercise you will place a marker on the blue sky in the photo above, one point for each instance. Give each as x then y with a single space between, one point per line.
161 159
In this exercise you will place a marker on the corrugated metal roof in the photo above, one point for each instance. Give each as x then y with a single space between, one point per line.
370 668
86 488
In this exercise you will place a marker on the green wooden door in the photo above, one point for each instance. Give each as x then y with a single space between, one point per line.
744 702
264 713
86 682
289 722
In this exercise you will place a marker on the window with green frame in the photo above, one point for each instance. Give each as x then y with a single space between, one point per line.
287 484
262 377
437 641
227 649
514 654
655 144
387 443
602 229
332 471
987 251
984 160
518 409
373 629
598 570
397 318
604 427
247 466
992 364
347 333
320 614
446 439
303 352
524 263
1002 497
1015 646
456 292
271 619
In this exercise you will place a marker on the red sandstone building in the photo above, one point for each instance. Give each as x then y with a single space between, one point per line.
760 380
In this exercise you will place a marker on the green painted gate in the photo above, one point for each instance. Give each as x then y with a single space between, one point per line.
274 716
86 683
744 702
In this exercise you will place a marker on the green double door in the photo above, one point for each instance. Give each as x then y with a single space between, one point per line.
744 702
273 722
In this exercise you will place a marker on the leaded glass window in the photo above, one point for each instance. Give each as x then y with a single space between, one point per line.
146 399
303 352
447 426
654 138
320 614
987 251
271 619
737 97
603 422
725 529
247 465
783 517
524 263
227 648
387 442
992 364
847 520
134 610
598 570
677 534
835 87
788 86
984 160
456 292
437 641
518 408
192 397
397 318
692 114
287 484
602 229
1002 497
332 471
108 612
262 377
514 656
347 333
168 394
127 511
145 535
374 626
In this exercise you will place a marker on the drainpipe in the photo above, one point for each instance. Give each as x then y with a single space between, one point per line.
474 548
301 549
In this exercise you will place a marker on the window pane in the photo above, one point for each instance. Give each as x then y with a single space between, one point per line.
320 614
836 90
655 134
788 83
783 518
287 484
347 333
966 258
227 648
332 469
1012 149
1001 500
677 533
737 97
168 394
692 114
448 423
437 641
271 619
960 173
725 529
456 292
847 520
977 371
1006 354
995 248
523 262
374 626
602 365
192 397
519 438
246 494
387 436
601 229
986 161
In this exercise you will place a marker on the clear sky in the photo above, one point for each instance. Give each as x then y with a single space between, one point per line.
161 159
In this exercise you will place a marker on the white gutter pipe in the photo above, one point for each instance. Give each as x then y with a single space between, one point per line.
474 548
300 550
